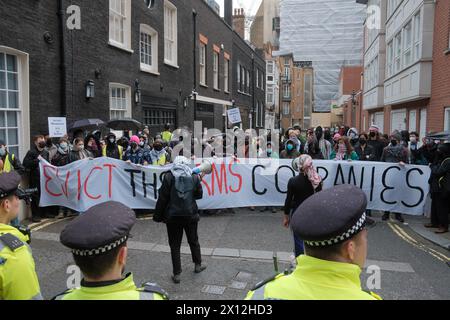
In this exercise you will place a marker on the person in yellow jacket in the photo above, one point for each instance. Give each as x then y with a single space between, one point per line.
98 241
166 135
332 224
9 162
18 279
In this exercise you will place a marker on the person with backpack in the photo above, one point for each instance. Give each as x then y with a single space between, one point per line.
440 190
177 208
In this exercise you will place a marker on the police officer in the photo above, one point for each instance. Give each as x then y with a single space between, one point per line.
332 225
18 279
98 240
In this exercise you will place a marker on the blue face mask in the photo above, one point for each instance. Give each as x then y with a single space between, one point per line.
290 147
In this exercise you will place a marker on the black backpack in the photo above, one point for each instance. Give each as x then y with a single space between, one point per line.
182 202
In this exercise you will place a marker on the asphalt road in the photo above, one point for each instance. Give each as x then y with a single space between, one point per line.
238 249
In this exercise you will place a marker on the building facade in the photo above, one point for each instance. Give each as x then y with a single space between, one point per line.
350 96
296 92
439 109
399 68
147 62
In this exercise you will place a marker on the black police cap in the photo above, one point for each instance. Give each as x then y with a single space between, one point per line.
99 230
331 216
9 183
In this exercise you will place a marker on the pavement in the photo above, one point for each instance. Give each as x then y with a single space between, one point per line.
238 249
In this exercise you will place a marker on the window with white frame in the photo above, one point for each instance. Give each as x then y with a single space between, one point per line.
10 105
286 91
270 67
257 78
270 92
119 101
417 37
261 114
447 119
286 108
398 52
407 44
202 63
170 34
248 81
390 59
149 49
226 75
239 76
120 23
216 70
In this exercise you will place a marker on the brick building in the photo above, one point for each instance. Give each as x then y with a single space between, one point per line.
350 96
439 109
143 62
398 65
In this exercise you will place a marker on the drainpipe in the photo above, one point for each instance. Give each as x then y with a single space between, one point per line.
253 95
62 65
194 20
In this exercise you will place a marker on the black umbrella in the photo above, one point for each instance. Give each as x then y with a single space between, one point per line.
439 136
124 124
86 124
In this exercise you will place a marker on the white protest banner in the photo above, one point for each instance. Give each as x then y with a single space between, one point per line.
234 115
232 184
57 127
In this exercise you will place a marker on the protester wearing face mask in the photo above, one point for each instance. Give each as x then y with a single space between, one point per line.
31 163
135 154
312 146
59 160
428 150
353 136
324 145
415 153
158 156
112 149
375 142
92 145
395 152
79 152
343 150
289 152
62 156
50 147
364 150
143 143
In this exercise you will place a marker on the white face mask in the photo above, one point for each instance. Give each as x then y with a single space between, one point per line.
413 139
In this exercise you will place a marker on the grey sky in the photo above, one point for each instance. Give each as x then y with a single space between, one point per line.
250 6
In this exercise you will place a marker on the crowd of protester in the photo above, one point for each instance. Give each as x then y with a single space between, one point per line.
338 144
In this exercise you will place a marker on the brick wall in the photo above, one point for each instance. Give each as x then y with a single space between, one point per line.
440 85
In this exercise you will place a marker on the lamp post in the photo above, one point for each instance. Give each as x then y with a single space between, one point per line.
353 109
90 89
137 92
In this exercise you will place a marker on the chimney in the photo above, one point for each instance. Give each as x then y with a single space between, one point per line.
239 22
228 11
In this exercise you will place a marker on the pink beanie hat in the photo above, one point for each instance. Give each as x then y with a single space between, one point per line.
135 139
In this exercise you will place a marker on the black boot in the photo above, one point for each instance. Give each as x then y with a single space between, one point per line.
399 217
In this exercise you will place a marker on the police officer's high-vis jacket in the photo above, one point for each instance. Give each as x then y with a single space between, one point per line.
18 279
116 290
314 279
